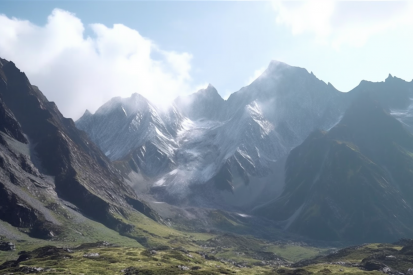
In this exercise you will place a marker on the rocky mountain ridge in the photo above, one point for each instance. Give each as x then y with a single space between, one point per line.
231 154
209 153
230 145
48 165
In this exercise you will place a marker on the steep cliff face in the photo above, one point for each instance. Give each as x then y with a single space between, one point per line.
38 142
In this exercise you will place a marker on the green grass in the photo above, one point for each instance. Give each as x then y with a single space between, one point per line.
296 253
113 260
337 269
203 254
206 253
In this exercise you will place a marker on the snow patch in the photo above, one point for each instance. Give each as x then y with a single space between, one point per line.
160 182
243 215
123 109
173 172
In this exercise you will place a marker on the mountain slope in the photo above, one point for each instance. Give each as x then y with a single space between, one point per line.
233 148
46 161
207 151
134 131
352 183
256 128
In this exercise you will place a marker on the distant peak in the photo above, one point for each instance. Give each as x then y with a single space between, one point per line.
278 63
87 113
390 77
209 91
281 67
210 86
138 98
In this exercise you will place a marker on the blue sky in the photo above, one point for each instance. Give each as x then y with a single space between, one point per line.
78 58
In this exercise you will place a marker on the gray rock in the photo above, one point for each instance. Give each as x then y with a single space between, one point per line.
92 255
7 246
183 267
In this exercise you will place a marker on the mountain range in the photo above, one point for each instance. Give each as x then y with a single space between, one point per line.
230 154
288 150
228 151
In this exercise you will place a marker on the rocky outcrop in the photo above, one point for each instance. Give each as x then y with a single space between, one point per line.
7 246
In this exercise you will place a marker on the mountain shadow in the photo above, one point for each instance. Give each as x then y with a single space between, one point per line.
46 162
353 183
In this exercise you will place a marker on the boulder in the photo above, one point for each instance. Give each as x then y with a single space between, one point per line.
7 246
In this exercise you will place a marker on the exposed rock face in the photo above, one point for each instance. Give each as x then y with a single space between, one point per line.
135 132
231 153
7 246
233 145
37 142
352 183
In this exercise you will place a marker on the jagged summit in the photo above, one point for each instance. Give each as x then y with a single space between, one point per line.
278 64
209 94
204 104
209 91
277 67
125 106
86 114
138 97
135 131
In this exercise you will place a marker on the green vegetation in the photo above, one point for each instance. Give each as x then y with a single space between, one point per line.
294 253
233 255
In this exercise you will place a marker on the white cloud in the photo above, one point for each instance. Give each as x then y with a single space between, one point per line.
79 72
255 75
310 16
344 23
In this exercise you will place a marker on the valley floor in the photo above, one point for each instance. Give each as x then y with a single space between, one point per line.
204 254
